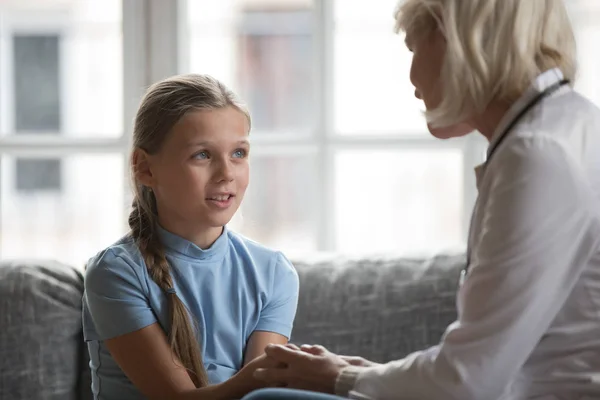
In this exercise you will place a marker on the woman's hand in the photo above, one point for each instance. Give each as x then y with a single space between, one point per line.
352 360
358 361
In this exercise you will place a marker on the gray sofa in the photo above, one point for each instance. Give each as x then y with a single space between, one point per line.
380 309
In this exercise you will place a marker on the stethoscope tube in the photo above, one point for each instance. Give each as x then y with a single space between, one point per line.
492 150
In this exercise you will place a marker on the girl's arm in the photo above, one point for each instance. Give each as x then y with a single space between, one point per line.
146 358
277 315
258 341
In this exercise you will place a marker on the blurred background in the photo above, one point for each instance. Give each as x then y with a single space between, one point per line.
341 159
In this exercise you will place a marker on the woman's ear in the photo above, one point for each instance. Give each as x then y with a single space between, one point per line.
142 172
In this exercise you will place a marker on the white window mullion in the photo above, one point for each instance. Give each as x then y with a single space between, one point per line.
183 36
324 109
43 145
151 39
151 42
163 38
136 76
135 55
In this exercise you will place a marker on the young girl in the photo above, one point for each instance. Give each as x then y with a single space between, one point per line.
182 308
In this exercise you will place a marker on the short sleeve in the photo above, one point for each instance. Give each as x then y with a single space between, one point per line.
278 313
114 299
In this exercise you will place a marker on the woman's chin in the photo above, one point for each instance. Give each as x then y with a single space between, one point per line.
452 131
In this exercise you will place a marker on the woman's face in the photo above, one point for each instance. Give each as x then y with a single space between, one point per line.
428 55
428 51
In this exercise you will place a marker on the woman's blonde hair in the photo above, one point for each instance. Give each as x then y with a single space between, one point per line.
162 106
495 48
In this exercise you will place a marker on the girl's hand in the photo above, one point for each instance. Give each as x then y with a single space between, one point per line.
244 382
315 370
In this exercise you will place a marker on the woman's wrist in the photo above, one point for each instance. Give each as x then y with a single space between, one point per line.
346 380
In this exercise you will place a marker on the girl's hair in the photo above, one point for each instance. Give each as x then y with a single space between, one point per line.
162 106
495 48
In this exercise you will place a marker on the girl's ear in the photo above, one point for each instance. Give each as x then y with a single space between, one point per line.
142 171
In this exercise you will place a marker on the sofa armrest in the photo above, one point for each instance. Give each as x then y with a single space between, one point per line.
41 342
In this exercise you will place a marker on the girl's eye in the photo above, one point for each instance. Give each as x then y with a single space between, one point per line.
202 155
239 153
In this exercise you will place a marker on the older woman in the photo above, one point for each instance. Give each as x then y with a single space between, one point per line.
528 322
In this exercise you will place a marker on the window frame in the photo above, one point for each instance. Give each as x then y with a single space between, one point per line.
153 51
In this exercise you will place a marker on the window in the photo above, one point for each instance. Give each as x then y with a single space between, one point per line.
72 227
36 69
62 181
405 200
280 210
38 174
341 160
373 180
586 14
326 83
264 51
372 92
275 69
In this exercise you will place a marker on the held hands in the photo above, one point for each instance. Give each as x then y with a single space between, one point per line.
309 368
244 381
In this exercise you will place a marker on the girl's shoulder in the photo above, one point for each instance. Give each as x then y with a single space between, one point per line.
261 257
244 247
124 253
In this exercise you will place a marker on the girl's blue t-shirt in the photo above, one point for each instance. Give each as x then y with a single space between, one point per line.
232 289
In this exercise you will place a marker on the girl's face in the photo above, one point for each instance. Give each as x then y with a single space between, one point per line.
201 173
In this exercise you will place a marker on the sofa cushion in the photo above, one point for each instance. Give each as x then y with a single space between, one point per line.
379 308
41 344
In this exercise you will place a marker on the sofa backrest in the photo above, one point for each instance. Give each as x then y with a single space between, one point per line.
379 308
